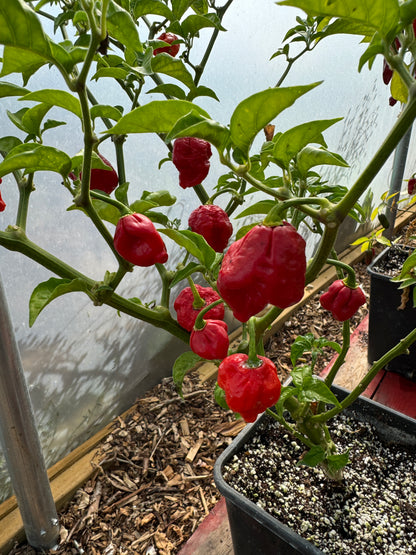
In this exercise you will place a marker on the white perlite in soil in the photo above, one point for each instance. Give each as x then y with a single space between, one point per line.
371 512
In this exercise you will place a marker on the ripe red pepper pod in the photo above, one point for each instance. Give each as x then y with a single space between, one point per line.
169 38
2 203
187 313
249 390
191 156
101 180
213 223
411 184
267 265
137 240
211 341
342 301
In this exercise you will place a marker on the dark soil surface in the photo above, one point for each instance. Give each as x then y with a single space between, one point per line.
153 481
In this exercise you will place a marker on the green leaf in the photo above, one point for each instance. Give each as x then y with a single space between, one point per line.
160 198
314 389
179 7
382 15
288 144
398 89
8 143
285 393
194 243
106 211
33 117
196 125
313 457
158 116
122 27
201 91
310 157
9 89
219 396
112 72
141 206
169 89
156 7
256 111
336 462
194 23
182 365
105 111
261 207
55 97
346 27
16 118
174 67
16 60
34 157
184 273
244 230
49 290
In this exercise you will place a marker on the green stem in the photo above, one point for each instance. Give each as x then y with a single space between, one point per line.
341 357
124 210
350 280
201 193
253 360
25 189
199 302
164 276
200 322
277 212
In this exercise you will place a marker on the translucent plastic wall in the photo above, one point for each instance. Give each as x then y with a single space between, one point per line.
85 364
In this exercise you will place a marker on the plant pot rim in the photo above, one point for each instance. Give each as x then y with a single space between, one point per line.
380 256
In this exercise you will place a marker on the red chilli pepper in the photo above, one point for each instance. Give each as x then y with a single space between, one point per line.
392 101
186 311
191 156
2 203
342 301
210 342
137 240
213 223
249 391
169 38
387 73
267 265
101 180
411 184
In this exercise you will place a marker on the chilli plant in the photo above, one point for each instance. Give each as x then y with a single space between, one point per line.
253 270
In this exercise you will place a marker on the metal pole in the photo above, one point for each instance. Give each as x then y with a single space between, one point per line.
20 442
399 163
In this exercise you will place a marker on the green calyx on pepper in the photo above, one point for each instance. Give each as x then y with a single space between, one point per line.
186 312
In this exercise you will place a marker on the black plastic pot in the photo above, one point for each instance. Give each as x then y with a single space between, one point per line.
253 530
386 324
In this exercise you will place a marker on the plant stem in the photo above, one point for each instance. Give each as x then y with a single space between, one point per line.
25 188
341 357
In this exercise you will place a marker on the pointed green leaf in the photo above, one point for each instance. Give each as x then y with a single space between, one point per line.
141 206
156 7
310 157
8 143
189 269
194 243
55 97
256 111
9 89
169 89
113 72
382 15
179 7
174 67
288 144
313 457
106 211
261 207
196 125
182 365
122 27
33 117
16 118
398 89
314 389
219 396
336 462
105 111
194 23
33 157
202 91
158 116
49 290
161 198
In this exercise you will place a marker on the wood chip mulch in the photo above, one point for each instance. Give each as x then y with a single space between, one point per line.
153 484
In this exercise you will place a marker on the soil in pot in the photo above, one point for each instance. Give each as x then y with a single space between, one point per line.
371 511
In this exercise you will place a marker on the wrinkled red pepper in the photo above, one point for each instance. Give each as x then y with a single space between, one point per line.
137 240
249 390
267 265
411 184
342 301
191 156
101 180
213 223
186 311
210 342
169 38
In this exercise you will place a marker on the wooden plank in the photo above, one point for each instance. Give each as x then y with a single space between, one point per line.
398 393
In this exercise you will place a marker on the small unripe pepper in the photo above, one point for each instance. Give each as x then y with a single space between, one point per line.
2 203
213 223
249 390
342 301
169 38
137 240
267 265
210 342
411 184
187 311
191 156
101 180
